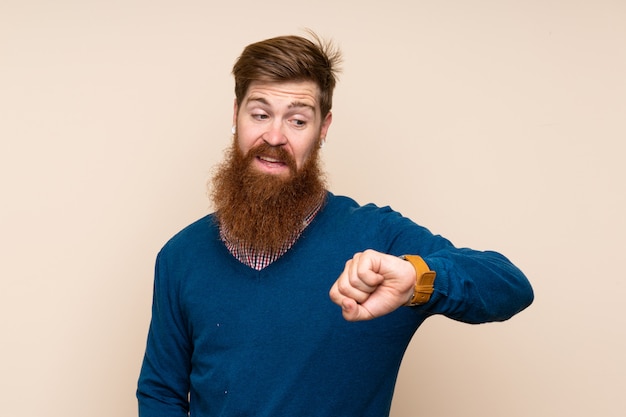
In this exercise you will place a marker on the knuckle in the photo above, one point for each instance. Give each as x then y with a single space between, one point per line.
342 287
369 253
354 279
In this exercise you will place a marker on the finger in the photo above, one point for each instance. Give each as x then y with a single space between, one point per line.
363 273
347 286
368 267
340 291
352 311
335 294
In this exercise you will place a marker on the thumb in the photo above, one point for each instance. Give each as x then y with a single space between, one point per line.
352 311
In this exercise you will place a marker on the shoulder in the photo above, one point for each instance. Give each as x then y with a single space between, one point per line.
193 235
348 208
388 228
368 220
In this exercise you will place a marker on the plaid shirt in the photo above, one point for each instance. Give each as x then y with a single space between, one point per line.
259 259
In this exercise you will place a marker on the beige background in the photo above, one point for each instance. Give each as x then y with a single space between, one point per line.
499 124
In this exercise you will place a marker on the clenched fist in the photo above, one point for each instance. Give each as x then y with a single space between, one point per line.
373 284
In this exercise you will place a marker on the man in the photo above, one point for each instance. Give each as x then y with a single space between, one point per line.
242 321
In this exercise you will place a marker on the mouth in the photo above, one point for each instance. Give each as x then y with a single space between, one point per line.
270 160
271 165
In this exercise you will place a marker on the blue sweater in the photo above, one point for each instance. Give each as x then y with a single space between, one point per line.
241 342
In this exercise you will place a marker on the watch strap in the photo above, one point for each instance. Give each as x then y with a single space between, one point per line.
424 281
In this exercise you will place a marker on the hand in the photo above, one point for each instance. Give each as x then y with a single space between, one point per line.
373 284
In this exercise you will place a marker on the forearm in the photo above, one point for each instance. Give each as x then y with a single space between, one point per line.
162 390
155 406
477 287
163 385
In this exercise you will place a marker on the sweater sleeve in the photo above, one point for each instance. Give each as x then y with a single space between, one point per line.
476 286
471 286
164 379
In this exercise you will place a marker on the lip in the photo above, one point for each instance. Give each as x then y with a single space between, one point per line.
270 165
270 160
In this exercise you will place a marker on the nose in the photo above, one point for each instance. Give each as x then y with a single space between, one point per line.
275 136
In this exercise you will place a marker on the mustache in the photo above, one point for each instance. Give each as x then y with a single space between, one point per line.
275 152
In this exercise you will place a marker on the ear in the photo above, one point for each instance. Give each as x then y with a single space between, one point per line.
235 110
326 124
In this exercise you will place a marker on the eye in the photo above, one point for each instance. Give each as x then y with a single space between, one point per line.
298 122
260 116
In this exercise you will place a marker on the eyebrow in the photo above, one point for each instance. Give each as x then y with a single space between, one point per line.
298 104
293 104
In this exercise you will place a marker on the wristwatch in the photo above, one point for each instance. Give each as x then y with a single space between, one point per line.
424 282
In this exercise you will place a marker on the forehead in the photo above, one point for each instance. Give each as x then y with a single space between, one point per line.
290 94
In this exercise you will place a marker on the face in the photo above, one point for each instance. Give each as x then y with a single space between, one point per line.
284 116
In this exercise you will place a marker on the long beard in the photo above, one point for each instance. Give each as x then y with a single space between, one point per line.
264 211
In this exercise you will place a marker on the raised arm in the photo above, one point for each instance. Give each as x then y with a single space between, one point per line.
470 286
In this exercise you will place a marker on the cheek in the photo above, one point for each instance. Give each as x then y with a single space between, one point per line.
243 143
305 153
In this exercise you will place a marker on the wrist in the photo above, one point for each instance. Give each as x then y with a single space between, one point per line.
424 280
